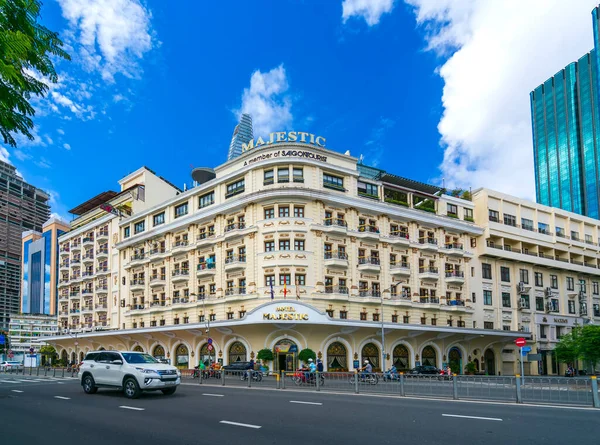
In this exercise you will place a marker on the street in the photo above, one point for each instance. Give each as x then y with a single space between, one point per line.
45 409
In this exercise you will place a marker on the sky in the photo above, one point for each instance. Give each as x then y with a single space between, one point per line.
433 90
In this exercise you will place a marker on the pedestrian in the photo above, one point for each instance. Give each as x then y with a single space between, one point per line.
319 365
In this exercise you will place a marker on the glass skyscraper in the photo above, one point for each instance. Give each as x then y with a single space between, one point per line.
566 135
242 134
40 268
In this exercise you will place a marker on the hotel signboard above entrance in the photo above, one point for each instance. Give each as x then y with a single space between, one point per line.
283 311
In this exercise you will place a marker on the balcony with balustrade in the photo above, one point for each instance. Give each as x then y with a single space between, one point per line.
399 237
234 229
428 244
335 259
180 246
369 264
335 225
137 284
179 275
231 291
206 269
455 249
368 231
400 269
235 262
455 277
157 280
429 273
102 253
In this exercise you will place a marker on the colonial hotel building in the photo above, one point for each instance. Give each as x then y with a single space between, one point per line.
291 246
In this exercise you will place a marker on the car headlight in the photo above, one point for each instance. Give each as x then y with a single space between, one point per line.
178 373
147 371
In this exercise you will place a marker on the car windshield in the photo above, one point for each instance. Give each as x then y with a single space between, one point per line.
135 357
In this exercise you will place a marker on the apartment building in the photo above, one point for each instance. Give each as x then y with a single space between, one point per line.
294 246
538 272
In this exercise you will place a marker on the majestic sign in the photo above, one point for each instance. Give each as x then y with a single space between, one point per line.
282 136
285 313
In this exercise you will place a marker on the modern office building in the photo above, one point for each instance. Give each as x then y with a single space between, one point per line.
566 135
30 331
293 246
88 261
22 207
242 134
537 272
39 286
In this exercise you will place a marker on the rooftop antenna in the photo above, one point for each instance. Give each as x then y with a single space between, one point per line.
361 158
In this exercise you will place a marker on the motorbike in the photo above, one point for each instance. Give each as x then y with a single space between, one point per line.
390 376
256 376
372 379
304 376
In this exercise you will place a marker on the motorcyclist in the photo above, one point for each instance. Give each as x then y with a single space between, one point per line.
392 373
366 370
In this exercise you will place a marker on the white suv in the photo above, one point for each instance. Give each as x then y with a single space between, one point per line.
133 372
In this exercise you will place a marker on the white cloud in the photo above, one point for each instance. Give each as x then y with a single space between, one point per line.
48 139
374 146
43 163
118 98
114 34
267 101
21 155
4 155
496 53
67 146
60 131
370 10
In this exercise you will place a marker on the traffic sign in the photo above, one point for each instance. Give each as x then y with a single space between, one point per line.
520 342
209 341
526 349
31 350
2 339
210 347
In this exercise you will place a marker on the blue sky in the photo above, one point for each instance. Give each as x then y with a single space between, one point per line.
160 84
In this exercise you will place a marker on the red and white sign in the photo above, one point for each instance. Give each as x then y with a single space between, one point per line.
210 347
520 342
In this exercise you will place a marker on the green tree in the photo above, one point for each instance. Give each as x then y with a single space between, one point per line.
49 352
588 342
265 354
567 349
26 50
305 354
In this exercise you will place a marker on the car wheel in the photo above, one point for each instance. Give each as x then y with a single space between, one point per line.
131 388
169 391
89 385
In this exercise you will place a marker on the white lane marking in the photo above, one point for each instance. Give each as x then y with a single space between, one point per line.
214 395
9 381
133 408
472 417
246 425
59 383
305 403
28 381
16 390
62 398
38 380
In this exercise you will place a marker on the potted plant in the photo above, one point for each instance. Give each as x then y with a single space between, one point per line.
265 355
307 353
470 368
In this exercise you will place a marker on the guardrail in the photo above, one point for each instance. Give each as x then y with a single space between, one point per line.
44 371
577 391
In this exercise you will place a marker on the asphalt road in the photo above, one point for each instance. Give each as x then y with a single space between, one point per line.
57 410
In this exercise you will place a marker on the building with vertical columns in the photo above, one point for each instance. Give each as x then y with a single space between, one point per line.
23 207
242 134
39 286
292 246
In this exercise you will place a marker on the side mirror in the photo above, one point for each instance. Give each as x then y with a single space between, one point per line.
116 362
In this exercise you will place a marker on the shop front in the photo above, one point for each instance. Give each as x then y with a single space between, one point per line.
287 328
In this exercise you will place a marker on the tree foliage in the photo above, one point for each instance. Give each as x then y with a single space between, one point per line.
305 354
581 343
265 354
26 50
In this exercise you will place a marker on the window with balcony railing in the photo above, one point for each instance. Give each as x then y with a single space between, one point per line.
493 216
367 190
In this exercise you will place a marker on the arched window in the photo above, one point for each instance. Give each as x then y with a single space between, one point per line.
64 356
207 356
490 362
159 352
182 357
371 352
237 352
138 348
429 356
81 356
401 358
455 360
73 357
337 357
